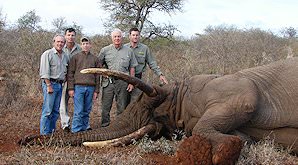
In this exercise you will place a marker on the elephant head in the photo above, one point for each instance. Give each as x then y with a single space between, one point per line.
138 119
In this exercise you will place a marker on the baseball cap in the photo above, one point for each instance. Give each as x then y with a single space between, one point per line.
84 39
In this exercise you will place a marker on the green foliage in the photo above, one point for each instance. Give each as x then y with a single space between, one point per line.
289 32
2 20
126 14
29 21
60 24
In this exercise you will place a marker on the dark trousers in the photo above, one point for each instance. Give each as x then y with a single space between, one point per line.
115 89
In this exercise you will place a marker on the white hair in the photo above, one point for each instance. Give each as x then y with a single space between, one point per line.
116 30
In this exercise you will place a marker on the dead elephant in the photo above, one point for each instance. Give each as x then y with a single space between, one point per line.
256 102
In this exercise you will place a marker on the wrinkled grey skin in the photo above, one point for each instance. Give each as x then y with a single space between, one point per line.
257 102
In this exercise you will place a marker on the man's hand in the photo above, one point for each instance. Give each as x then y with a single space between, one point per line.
50 89
95 96
129 87
163 79
71 93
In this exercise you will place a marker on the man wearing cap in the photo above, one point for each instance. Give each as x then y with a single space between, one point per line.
53 68
71 48
120 58
144 57
82 87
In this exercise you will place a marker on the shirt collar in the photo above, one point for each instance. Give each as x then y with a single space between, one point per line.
56 52
89 53
117 48
74 47
138 44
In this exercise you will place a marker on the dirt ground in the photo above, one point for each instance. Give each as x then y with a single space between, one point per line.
22 119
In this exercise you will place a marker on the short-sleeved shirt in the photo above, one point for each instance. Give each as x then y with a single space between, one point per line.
144 57
75 50
52 66
120 59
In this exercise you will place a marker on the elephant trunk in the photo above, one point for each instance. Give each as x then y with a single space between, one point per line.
132 119
75 139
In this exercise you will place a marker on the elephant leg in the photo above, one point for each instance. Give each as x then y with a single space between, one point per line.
199 150
194 150
215 124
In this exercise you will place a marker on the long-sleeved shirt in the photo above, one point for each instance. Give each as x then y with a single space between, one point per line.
52 66
77 63
144 57
121 59
75 50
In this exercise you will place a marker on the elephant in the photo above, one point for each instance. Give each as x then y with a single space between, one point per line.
217 112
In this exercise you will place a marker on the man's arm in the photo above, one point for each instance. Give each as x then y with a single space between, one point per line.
150 60
101 58
133 64
70 76
44 71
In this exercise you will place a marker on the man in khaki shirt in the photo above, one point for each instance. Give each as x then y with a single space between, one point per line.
120 58
53 68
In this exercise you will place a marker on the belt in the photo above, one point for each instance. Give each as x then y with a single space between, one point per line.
56 81
139 75
136 75
114 78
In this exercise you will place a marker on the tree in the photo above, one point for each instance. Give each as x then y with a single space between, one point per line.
29 21
135 13
289 32
79 29
59 24
2 20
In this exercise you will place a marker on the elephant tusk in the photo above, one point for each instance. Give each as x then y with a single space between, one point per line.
98 144
146 88
128 139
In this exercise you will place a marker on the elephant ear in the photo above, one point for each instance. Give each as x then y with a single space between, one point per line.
198 82
146 88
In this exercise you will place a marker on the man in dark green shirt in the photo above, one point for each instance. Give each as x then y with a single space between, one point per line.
144 58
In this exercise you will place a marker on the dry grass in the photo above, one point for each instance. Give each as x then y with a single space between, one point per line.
264 152
220 50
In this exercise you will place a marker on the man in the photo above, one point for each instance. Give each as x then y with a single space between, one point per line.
71 48
120 58
53 68
144 57
82 87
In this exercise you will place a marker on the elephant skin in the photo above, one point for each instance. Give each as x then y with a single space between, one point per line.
256 102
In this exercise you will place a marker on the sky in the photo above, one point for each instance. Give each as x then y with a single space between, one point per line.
273 15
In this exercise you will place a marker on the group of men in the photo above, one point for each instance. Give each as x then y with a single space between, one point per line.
61 78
